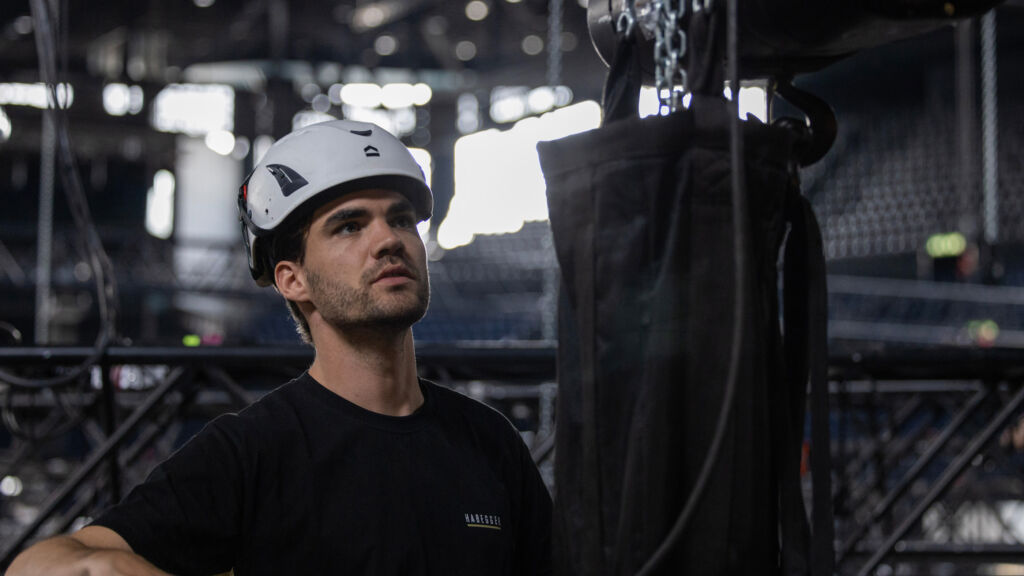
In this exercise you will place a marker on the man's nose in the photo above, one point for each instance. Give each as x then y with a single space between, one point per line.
385 239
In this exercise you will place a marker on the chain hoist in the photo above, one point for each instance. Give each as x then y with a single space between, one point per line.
669 50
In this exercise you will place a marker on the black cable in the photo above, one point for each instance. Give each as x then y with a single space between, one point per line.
739 215
50 427
99 263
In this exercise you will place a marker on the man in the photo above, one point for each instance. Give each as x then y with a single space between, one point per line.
357 466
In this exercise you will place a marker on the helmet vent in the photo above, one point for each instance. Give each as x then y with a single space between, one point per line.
288 179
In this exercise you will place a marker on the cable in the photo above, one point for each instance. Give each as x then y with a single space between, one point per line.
99 263
50 427
739 214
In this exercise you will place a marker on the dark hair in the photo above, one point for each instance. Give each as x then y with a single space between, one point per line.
289 244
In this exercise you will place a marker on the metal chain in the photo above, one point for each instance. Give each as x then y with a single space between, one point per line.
669 50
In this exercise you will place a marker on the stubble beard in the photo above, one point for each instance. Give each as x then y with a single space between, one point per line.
348 308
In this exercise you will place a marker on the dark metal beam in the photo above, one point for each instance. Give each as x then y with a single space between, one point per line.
914 473
90 465
938 489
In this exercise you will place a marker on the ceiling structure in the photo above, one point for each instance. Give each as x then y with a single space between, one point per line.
279 47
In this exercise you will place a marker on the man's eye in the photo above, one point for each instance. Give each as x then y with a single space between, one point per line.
404 221
347 228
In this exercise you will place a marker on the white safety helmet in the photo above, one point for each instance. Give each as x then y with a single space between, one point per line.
316 164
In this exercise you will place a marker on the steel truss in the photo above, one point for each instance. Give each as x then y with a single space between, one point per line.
925 481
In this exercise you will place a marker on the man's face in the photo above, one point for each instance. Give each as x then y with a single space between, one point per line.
365 263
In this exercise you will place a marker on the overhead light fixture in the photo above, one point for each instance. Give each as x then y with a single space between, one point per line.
194 109
511 103
477 10
395 96
120 99
35 95
401 95
363 95
421 94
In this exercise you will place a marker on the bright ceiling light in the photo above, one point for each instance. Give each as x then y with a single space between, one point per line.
397 96
194 109
362 95
401 95
421 94
35 95
115 99
541 99
477 10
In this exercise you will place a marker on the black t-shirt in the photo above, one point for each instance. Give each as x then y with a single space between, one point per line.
305 482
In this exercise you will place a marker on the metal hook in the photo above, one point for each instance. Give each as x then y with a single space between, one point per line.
818 132
625 23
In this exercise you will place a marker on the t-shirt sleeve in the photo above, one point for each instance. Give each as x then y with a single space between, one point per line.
185 517
534 537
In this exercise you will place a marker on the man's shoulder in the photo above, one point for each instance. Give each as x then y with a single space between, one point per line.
270 408
452 404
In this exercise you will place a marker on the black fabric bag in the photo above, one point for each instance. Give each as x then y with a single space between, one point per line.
641 215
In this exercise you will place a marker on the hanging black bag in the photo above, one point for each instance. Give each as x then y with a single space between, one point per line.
641 215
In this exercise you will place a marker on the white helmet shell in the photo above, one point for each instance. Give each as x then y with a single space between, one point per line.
318 163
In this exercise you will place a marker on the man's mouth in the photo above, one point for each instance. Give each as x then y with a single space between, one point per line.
395 272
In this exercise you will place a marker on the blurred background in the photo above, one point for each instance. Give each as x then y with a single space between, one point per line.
169 104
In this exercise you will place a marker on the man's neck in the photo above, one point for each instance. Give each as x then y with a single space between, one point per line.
373 370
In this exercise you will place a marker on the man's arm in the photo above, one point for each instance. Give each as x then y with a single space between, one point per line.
92 551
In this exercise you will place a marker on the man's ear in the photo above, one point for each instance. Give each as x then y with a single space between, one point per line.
291 281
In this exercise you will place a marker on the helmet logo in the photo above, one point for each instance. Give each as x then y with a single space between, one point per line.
288 179
371 151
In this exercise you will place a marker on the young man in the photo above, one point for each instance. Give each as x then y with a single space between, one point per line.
357 466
